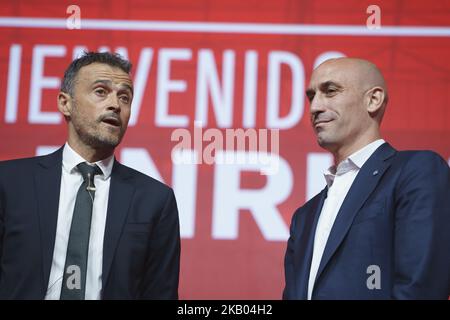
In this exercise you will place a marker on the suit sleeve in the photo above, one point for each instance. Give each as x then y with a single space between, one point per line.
422 229
288 292
2 227
162 274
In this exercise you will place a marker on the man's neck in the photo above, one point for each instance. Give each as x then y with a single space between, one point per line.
345 151
90 154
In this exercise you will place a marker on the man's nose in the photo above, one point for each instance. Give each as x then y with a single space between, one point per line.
316 105
114 103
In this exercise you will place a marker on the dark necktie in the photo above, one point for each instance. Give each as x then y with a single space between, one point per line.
74 279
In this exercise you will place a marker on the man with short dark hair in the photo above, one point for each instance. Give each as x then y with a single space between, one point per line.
77 224
381 227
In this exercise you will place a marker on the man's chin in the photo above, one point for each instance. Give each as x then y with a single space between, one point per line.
321 140
106 142
324 141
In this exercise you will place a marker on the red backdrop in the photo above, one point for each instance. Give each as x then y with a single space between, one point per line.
233 64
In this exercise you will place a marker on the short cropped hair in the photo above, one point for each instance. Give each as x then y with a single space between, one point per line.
111 59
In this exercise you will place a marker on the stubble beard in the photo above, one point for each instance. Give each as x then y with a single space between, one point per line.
91 133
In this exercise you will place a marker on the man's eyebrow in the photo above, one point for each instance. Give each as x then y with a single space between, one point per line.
128 87
325 85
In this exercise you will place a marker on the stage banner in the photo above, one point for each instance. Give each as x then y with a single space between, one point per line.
219 110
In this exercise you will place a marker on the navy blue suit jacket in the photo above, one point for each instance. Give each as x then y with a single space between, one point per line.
396 216
141 248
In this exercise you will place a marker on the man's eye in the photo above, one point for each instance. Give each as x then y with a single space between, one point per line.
124 99
310 96
331 91
100 91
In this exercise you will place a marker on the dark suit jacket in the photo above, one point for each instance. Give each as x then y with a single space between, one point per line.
396 216
141 248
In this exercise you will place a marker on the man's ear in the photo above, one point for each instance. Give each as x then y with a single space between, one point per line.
65 104
375 100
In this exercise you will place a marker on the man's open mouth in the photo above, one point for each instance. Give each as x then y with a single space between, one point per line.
112 121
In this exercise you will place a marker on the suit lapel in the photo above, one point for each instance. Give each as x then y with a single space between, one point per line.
365 182
120 196
306 244
47 182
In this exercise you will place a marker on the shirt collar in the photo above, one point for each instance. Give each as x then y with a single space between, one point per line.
354 162
71 159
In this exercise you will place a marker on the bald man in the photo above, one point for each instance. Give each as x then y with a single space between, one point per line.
380 229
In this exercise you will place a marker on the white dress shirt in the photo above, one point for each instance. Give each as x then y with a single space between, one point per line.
339 180
71 180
